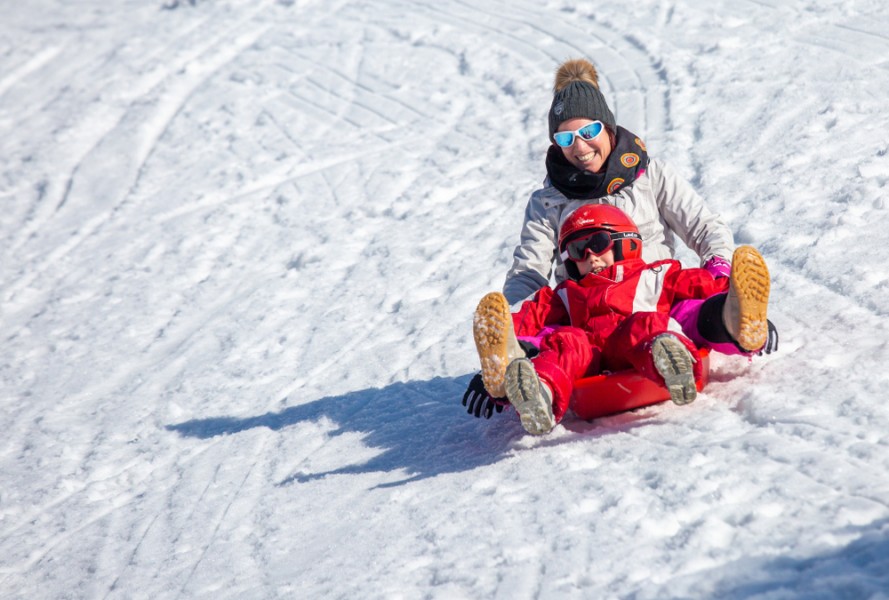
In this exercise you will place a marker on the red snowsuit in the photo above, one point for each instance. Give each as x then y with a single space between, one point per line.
606 321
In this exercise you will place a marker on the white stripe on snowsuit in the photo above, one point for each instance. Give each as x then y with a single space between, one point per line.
649 289
563 294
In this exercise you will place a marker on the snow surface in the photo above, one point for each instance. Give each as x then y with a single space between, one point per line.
242 241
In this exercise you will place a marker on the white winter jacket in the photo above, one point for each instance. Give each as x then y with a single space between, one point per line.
661 203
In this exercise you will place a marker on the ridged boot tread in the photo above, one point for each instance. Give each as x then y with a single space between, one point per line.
748 299
525 394
494 340
674 362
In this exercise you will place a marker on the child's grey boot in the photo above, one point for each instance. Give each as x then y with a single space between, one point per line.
531 398
676 365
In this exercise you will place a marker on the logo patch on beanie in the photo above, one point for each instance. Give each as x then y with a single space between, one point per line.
629 160
558 108
615 185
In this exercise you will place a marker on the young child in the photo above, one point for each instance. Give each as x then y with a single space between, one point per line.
612 313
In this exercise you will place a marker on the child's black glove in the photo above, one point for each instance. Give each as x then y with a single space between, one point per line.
479 402
772 341
477 399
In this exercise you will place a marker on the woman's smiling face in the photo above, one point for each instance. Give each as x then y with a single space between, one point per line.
586 155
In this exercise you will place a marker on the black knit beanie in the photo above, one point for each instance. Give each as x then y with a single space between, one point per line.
579 99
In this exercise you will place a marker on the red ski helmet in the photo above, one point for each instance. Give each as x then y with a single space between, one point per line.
590 217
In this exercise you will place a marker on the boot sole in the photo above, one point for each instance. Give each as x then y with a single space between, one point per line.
524 393
491 327
674 362
751 283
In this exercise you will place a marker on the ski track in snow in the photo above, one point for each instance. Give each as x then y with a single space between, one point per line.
242 243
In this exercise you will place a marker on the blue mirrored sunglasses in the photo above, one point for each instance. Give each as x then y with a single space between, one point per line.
566 138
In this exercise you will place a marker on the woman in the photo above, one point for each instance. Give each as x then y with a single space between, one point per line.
592 160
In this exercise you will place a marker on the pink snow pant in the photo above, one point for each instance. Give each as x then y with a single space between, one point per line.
686 313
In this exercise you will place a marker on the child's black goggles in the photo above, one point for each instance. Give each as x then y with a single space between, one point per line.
598 242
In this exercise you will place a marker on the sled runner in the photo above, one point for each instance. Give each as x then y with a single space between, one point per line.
602 395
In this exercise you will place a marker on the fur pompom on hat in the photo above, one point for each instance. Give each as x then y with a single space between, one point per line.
576 95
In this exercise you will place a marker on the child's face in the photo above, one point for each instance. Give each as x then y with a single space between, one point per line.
593 263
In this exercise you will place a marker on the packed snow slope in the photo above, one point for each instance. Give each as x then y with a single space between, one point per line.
242 241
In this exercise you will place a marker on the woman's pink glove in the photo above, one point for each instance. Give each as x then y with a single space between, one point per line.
718 267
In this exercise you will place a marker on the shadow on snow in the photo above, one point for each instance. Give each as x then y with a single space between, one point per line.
420 428
858 570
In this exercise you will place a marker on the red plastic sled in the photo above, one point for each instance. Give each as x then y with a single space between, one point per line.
603 395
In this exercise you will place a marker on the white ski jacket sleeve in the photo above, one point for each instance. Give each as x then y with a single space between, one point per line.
660 202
